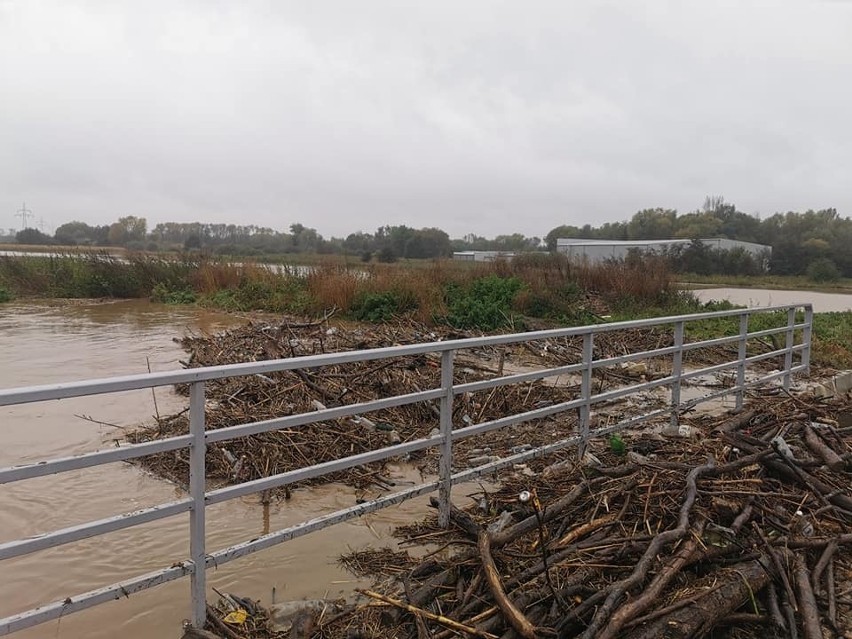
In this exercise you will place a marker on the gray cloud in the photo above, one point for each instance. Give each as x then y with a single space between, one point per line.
479 116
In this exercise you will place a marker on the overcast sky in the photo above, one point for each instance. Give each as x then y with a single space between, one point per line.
474 116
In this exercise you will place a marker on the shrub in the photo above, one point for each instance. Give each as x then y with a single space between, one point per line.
162 293
5 295
823 270
486 304
387 255
382 307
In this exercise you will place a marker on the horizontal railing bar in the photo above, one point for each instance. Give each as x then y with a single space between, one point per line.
318 523
630 421
511 420
775 331
25 395
326 414
692 403
520 378
92 529
624 391
517 458
707 370
707 343
720 341
317 470
87 460
632 357
125 588
688 404
473 473
547 411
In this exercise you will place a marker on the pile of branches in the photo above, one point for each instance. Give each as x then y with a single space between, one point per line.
744 533
241 400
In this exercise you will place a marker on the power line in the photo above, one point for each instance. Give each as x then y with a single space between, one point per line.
23 213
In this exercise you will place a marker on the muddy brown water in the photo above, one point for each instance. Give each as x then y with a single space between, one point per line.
42 343
822 302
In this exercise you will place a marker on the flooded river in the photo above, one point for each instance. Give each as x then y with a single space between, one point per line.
43 343
822 302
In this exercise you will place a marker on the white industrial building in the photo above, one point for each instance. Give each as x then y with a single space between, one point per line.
599 250
482 256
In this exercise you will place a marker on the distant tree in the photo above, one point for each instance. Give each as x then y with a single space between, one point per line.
75 233
128 229
192 242
559 232
387 255
823 270
652 224
32 236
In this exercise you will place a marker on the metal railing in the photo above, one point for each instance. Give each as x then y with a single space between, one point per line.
797 342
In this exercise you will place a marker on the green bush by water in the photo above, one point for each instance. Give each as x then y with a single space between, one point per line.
486 304
382 306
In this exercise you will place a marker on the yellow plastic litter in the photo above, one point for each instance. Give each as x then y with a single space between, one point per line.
237 616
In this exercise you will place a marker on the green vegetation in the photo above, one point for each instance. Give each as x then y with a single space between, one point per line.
547 289
823 270
382 307
484 296
486 303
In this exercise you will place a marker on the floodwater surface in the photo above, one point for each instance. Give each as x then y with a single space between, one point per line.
42 343
822 302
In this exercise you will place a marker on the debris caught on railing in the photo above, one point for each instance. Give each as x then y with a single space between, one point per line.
731 535
241 400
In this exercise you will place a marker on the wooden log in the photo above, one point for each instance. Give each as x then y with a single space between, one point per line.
808 610
726 592
651 594
444 621
617 591
736 422
823 451
821 565
515 617
529 524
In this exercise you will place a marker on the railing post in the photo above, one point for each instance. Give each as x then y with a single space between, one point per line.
677 371
788 356
446 466
807 336
741 354
586 392
197 487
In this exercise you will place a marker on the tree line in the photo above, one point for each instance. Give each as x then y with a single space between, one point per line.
798 240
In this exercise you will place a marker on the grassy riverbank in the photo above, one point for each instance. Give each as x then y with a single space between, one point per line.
485 296
530 291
